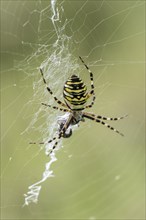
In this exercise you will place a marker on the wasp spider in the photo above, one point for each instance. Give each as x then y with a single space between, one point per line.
75 98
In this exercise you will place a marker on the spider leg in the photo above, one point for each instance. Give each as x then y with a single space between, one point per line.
107 118
59 136
44 142
94 118
61 133
92 85
57 108
50 91
55 144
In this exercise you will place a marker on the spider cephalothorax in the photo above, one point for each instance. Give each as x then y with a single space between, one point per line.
75 96
76 117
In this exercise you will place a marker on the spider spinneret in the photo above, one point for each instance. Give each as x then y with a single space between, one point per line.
75 97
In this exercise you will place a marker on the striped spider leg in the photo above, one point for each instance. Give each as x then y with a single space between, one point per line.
56 107
50 91
62 132
92 85
100 119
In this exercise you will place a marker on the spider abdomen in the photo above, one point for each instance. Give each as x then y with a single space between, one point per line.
75 93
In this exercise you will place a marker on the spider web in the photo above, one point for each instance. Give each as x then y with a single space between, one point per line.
94 177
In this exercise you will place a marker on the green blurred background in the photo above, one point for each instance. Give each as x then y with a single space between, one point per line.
98 174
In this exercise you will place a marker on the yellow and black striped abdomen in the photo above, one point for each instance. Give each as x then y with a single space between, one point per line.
75 93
